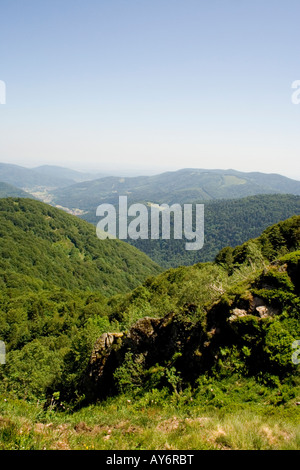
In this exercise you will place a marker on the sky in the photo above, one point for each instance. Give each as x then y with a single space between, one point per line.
151 85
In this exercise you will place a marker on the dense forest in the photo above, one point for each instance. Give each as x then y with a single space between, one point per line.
43 246
226 223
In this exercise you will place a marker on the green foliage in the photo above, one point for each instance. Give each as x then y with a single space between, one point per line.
278 347
225 257
31 370
281 238
185 290
49 337
129 376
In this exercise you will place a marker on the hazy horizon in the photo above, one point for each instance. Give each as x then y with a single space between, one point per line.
132 170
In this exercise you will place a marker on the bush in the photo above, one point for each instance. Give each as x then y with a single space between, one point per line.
278 348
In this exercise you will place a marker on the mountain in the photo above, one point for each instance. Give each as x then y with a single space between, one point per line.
28 179
47 177
8 190
182 186
66 173
43 246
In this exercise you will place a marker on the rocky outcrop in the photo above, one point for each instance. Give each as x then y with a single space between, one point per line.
97 376
102 350
173 340
157 339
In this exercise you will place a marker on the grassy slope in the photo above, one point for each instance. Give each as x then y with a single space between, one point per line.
155 422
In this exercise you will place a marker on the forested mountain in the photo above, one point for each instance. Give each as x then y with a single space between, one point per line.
43 246
183 186
226 222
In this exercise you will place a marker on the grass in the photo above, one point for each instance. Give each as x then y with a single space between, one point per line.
147 423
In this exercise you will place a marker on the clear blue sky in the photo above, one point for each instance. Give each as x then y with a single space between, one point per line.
151 84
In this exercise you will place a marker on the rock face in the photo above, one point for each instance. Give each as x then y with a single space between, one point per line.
102 359
102 350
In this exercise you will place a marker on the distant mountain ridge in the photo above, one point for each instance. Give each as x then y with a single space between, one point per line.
182 186
45 176
84 190
26 178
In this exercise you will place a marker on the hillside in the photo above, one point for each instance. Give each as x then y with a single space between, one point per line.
44 245
182 186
